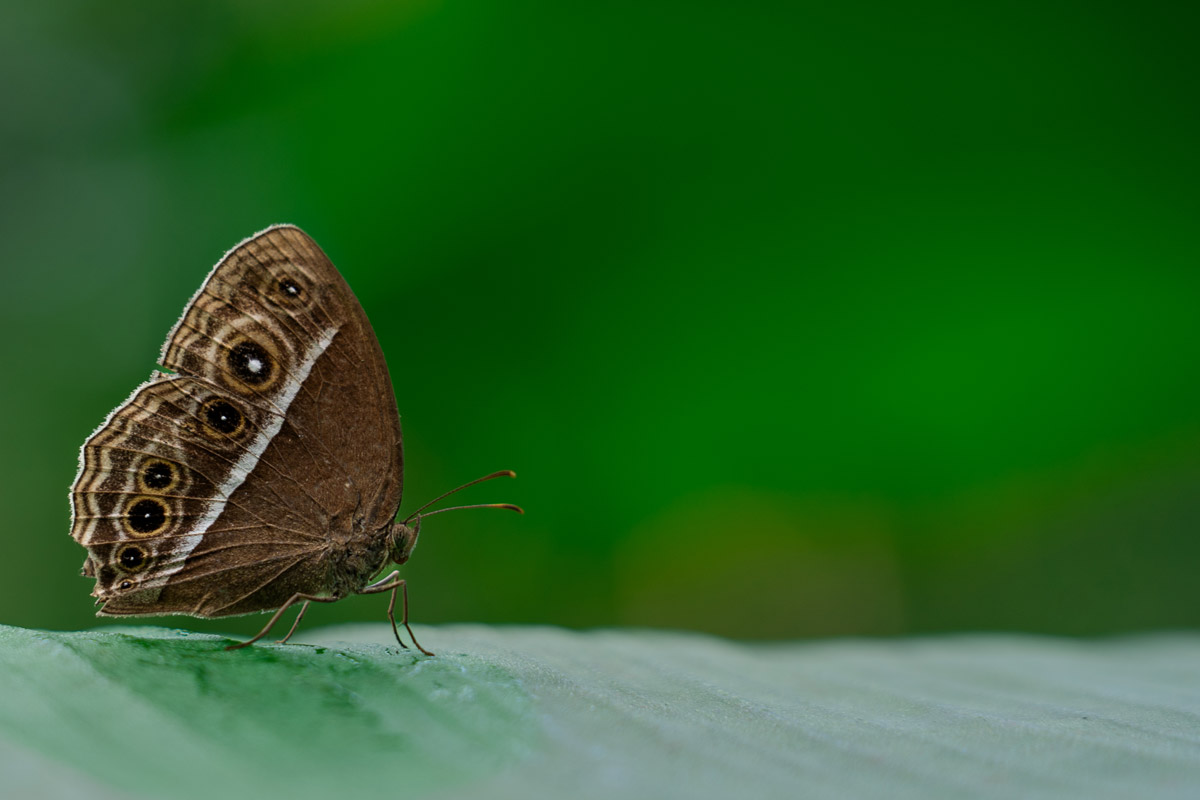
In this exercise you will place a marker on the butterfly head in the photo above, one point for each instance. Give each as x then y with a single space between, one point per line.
402 538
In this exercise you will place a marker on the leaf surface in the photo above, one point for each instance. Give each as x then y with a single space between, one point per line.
544 712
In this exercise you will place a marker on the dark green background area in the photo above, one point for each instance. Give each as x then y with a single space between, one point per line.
794 320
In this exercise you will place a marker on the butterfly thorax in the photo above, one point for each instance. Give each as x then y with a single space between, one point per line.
355 560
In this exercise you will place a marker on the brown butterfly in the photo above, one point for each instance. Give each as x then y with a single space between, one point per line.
262 466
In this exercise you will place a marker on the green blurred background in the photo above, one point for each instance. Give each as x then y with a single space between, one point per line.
795 320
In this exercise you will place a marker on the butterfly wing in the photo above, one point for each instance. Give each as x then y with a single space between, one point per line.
224 487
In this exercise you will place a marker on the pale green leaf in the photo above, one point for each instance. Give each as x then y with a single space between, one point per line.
547 713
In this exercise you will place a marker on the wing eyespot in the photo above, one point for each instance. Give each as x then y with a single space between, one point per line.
132 558
221 419
145 516
292 291
251 364
158 475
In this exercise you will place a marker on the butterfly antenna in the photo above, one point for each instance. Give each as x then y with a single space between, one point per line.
508 506
504 473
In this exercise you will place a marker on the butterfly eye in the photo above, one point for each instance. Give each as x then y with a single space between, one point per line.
125 585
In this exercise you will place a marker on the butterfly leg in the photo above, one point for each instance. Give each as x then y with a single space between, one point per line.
307 598
292 629
394 583
382 585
